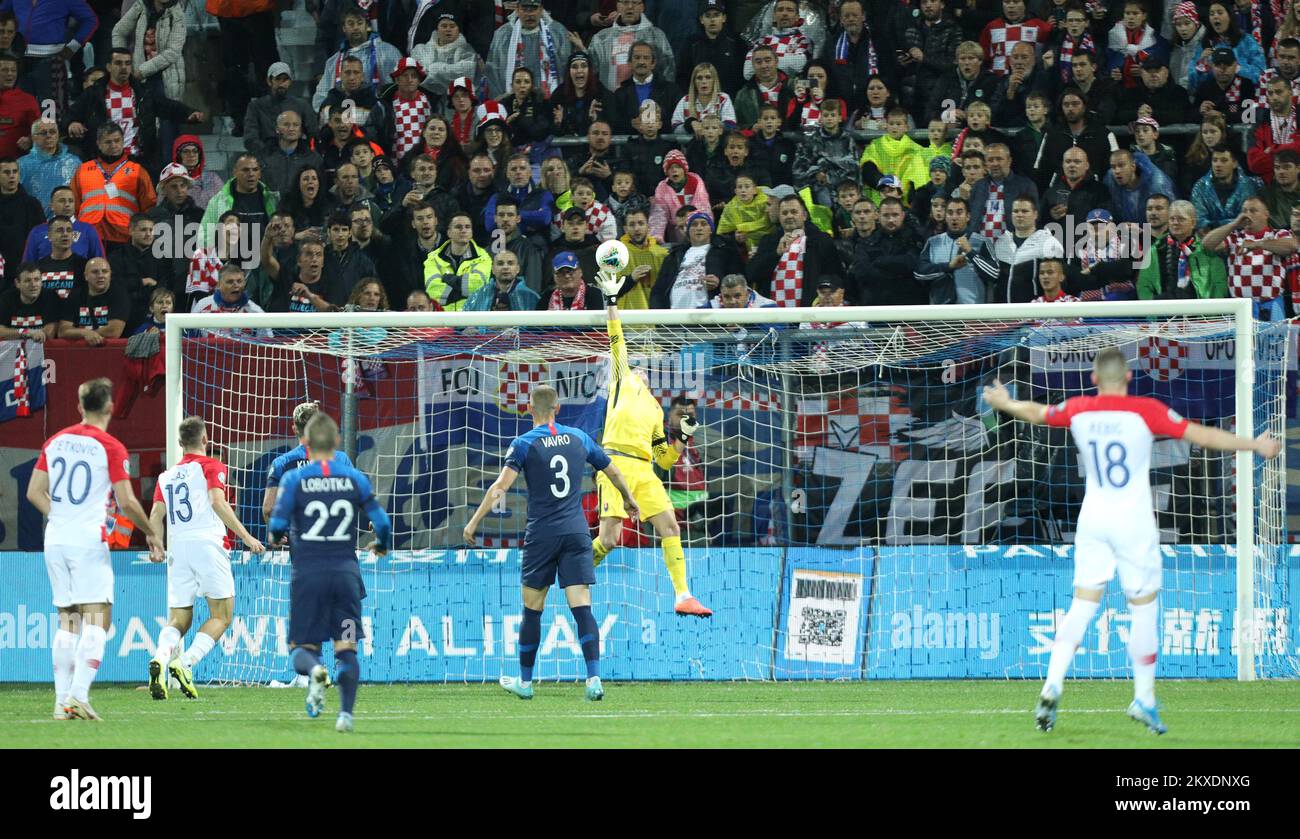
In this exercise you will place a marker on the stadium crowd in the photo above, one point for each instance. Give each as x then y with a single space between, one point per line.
462 155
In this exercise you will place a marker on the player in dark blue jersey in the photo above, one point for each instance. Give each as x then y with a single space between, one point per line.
557 541
295 457
317 507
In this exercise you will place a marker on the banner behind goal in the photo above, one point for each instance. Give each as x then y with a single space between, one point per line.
850 508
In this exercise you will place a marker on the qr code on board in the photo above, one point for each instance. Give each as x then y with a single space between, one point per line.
824 627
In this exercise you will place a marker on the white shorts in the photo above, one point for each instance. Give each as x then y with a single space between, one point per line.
198 569
79 574
1135 557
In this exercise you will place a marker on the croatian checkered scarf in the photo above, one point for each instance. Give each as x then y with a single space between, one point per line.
597 214
548 62
1183 268
1283 127
787 42
372 61
579 300
810 110
1233 94
842 51
205 270
409 117
120 102
994 212
787 280
1069 46
21 403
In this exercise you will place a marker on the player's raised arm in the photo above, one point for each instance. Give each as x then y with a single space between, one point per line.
494 493
1265 445
610 285
999 399
221 506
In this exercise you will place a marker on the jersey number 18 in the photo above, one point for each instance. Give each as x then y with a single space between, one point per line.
1115 473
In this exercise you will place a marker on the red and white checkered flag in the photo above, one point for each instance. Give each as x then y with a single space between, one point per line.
787 279
408 123
517 383
1162 358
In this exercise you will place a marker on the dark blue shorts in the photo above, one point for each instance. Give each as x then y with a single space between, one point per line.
569 557
325 606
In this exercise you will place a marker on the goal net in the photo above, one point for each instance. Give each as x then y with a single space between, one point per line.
850 507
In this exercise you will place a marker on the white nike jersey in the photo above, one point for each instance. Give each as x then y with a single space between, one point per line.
83 463
183 490
1114 435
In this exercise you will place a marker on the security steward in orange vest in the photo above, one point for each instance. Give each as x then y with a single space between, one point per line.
112 188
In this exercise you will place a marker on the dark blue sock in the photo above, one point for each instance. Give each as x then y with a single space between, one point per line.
304 660
530 635
588 637
347 674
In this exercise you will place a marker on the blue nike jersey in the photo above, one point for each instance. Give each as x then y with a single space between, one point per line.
297 458
552 460
319 506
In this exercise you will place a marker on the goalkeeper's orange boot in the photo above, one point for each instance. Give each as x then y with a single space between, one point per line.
691 606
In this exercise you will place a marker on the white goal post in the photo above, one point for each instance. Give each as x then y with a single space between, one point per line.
678 328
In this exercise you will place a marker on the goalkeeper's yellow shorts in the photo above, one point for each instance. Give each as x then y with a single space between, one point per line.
645 485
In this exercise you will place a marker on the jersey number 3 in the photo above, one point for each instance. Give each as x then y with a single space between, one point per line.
561 466
341 509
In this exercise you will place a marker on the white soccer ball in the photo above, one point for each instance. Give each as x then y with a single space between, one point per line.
612 256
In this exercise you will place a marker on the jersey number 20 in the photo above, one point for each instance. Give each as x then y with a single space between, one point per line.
78 466
323 515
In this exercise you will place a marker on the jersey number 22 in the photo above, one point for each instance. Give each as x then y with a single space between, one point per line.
341 509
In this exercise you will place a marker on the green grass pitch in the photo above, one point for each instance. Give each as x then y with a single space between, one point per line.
864 714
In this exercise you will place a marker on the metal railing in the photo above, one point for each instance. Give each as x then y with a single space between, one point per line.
1182 129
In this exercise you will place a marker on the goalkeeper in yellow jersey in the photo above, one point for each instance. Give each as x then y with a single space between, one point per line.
634 436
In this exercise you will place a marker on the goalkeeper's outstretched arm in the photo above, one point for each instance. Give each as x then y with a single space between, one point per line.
609 287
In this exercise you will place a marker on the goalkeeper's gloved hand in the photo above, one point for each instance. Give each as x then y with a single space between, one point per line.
687 429
609 285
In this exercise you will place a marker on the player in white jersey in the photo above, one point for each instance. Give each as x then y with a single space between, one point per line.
79 469
190 503
1117 530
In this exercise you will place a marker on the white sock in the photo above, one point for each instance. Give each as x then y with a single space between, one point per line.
167 641
199 647
683 596
1069 634
64 652
1142 647
90 650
